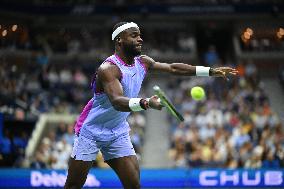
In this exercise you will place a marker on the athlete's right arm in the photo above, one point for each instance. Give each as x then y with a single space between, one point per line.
108 77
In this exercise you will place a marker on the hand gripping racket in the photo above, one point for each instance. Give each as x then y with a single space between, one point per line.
166 102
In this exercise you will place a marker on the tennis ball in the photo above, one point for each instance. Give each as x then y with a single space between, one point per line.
197 93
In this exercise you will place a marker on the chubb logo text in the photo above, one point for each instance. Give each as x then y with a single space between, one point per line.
243 178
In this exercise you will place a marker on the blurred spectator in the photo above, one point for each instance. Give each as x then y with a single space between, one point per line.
211 57
270 161
186 43
69 135
38 161
254 160
42 59
137 123
178 154
20 143
53 76
250 69
80 78
65 76
60 130
60 155
6 150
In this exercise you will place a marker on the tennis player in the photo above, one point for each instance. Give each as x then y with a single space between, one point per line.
102 124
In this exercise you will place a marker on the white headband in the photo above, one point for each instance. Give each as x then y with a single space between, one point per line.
122 28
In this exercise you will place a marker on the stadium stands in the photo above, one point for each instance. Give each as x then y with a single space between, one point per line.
234 127
71 42
56 146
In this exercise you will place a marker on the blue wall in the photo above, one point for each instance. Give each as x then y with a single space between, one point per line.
1 126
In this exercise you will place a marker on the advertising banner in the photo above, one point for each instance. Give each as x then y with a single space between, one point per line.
150 178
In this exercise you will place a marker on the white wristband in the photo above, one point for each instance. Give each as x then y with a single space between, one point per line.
202 71
134 104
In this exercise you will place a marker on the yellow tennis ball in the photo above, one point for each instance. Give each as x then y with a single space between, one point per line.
197 93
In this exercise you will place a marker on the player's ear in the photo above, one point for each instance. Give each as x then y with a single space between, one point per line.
118 40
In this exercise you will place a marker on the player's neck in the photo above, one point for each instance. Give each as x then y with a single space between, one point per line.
127 59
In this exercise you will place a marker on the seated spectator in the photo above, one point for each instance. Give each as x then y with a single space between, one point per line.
270 161
69 135
61 155
38 161
211 57
6 150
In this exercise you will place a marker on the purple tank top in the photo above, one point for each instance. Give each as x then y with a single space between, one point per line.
99 120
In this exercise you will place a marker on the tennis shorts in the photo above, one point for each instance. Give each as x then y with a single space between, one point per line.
86 149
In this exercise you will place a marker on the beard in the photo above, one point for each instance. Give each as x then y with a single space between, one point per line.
131 50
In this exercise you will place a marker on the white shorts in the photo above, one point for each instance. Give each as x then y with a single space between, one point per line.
86 149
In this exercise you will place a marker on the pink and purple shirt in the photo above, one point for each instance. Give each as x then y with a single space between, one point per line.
99 120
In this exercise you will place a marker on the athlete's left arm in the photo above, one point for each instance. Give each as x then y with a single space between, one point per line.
184 69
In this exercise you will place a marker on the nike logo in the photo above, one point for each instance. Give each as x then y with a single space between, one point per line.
89 153
134 75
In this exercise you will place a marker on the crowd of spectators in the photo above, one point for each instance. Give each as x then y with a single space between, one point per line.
35 88
71 42
137 121
264 40
263 45
29 90
55 147
35 85
87 41
30 87
233 127
12 148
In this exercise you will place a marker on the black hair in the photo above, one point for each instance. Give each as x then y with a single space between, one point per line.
116 26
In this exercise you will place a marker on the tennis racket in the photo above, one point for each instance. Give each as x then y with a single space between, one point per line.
166 102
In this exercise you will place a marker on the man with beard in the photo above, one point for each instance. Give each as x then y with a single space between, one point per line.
102 125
